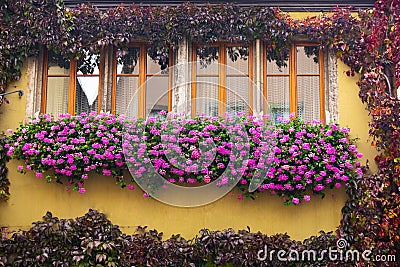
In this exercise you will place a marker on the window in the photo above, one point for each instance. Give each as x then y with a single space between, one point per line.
139 83
298 87
128 81
69 86
221 78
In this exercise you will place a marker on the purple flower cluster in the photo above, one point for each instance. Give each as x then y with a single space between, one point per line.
187 151
294 159
308 158
71 147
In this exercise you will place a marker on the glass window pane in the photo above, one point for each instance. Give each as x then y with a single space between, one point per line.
125 93
308 98
154 67
156 95
305 64
278 97
57 65
128 60
237 60
209 65
87 91
57 95
90 65
237 94
272 68
55 69
207 96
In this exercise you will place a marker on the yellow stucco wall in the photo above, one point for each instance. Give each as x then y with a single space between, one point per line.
352 114
32 197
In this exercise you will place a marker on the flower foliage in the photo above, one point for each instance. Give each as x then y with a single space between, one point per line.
71 147
290 158
310 157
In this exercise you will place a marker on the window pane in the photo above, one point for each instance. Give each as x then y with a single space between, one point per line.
154 67
90 66
209 65
237 94
128 60
87 84
237 60
272 68
305 64
126 92
308 98
87 91
156 95
54 69
57 65
278 97
207 96
57 95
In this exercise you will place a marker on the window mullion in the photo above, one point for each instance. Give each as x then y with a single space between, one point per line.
44 80
321 85
170 70
293 79
101 79
250 79
72 87
222 80
265 81
142 81
114 81
194 80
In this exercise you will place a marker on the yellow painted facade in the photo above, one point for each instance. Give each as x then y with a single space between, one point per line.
31 197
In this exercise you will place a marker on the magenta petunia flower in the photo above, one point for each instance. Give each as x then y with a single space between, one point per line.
81 190
106 172
306 146
276 150
319 187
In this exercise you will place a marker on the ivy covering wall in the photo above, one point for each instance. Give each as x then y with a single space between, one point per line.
92 240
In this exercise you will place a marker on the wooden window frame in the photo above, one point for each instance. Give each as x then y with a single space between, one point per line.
222 75
73 75
142 79
293 79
